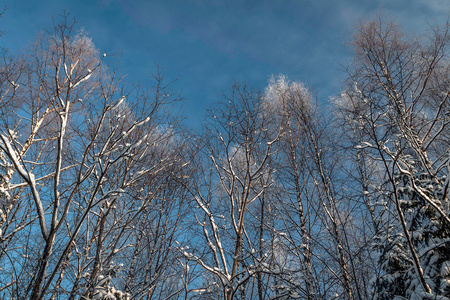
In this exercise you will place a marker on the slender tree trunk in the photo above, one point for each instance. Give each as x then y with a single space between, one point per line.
304 232
261 248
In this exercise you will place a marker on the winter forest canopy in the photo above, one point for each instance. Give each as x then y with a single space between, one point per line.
106 194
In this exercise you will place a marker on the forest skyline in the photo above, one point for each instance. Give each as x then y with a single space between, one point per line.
207 45
110 191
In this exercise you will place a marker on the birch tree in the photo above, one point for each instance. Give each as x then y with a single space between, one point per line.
291 104
314 211
237 148
401 84
82 163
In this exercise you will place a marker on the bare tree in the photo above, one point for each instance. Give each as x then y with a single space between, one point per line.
83 162
315 211
398 93
238 147
290 104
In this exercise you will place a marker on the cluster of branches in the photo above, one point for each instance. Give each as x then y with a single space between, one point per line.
88 172
104 195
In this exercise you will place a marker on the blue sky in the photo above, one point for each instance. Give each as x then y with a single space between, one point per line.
207 44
